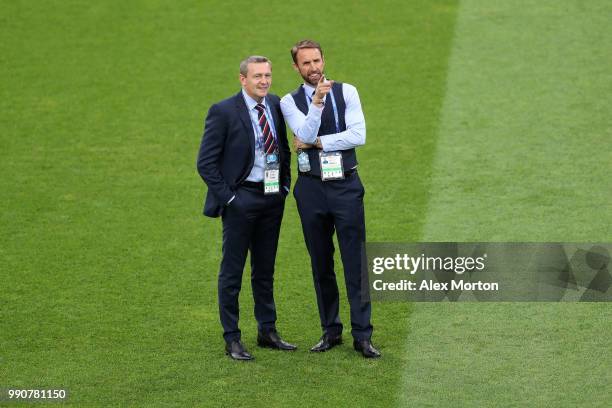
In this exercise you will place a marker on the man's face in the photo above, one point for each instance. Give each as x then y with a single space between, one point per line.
310 65
258 80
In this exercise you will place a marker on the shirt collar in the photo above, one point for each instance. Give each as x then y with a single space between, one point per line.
250 102
309 89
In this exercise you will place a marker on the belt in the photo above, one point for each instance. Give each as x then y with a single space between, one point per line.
347 174
252 184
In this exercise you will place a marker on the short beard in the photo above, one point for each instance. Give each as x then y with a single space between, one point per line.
305 78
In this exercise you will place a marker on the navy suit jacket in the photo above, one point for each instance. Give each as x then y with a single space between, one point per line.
227 151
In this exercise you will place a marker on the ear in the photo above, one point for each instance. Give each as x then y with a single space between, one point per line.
242 79
296 68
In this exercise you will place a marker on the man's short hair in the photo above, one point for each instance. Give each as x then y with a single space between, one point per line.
304 44
244 64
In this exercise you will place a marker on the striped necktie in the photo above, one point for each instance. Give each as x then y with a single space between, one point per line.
269 142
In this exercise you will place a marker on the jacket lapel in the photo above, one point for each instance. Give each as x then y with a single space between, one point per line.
243 113
276 120
274 114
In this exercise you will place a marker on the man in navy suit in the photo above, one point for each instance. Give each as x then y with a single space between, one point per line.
328 123
244 160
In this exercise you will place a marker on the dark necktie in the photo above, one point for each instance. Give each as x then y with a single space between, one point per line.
269 142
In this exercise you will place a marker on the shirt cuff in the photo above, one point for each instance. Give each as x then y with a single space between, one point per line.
325 143
316 108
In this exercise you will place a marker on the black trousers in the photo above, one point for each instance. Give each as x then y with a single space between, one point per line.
250 223
326 207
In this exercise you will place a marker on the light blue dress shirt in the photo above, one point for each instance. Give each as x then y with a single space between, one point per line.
306 127
257 172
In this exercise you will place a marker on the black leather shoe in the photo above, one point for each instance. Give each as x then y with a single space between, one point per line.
327 342
273 340
236 350
366 348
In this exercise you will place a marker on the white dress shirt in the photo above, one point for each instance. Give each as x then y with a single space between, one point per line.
306 127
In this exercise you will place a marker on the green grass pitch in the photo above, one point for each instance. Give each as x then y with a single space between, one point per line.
487 121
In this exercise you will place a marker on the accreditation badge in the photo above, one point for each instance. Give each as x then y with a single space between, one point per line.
271 158
331 166
272 175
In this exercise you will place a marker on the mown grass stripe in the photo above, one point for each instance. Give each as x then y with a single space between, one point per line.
522 155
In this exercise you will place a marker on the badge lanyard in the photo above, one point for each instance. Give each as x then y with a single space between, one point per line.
331 164
271 179
335 108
